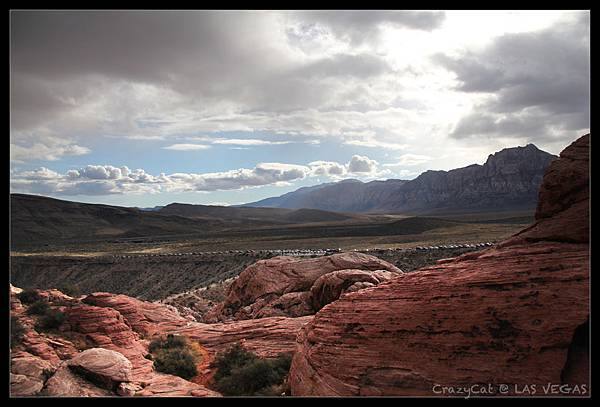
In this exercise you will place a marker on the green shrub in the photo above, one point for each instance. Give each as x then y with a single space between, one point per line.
38 308
234 357
72 290
52 319
170 342
178 361
29 296
173 355
16 331
242 373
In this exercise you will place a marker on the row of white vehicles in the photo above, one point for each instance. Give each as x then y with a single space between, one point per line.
308 252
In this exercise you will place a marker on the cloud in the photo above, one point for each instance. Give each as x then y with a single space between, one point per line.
48 149
90 74
90 77
358 26
186 147
328 168
372 143
108 179
249 142
362 164
536 84
410 160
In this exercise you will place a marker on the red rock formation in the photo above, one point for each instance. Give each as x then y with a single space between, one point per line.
66 383
162 385
15 304
281 286
329 287
116 325
513 314
267 337
143 317
106 328
28 374
106 366
563 211
38 345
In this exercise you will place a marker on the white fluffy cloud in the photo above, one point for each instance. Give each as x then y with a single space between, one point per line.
328 168
108 179
361 164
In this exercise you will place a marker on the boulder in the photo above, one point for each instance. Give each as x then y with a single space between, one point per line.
516 314
267 287
66 383
329 287
104 367
104 327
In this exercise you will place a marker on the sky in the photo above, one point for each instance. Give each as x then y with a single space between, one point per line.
145 108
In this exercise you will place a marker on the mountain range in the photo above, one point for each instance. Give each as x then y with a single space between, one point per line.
508 180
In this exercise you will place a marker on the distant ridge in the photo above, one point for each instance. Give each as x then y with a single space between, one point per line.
509 180
38 219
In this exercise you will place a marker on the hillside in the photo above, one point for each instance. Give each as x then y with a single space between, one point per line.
509 180
249 215
38 219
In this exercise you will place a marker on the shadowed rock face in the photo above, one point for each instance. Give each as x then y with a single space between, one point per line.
563 210
511 314
283 286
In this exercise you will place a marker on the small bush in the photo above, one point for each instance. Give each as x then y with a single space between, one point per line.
242 373
170 342
29 296
174 355
72 290
52 319
16 331
38 308
234 357
179 362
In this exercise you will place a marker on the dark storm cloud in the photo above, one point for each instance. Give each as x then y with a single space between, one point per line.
538 83
135 44
205 57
